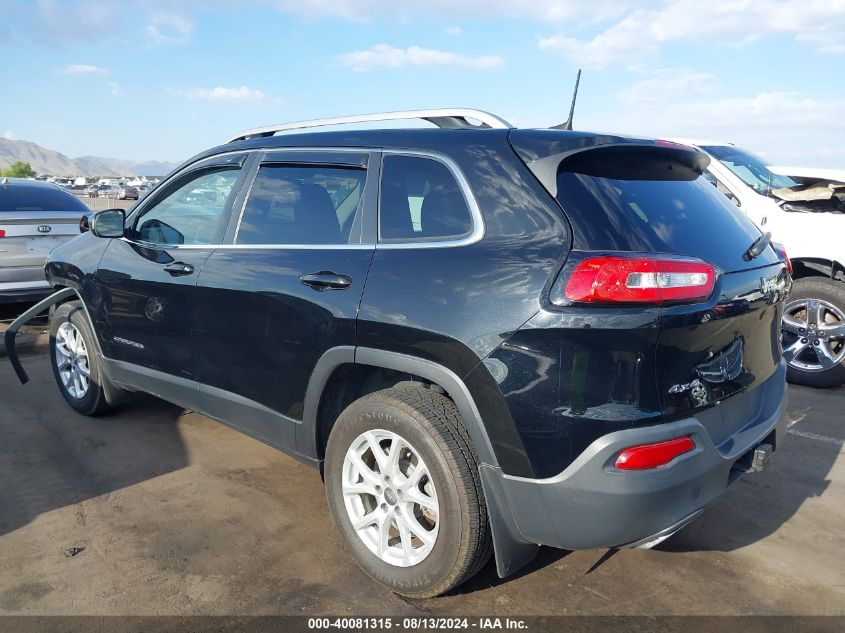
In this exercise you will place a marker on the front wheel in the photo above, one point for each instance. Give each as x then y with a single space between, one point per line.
404 490
813 330
74 360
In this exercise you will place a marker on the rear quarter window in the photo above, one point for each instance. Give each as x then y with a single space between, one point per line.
421 201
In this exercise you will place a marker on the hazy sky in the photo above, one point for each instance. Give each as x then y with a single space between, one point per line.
163 79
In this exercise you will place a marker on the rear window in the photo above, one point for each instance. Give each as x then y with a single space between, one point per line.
651 201
30 198
647 213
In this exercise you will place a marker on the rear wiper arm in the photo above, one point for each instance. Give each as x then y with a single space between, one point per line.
758 246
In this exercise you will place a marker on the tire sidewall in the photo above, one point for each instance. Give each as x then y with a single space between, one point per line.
365 415
73 313
832 292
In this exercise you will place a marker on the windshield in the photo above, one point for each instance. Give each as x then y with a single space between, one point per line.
749 168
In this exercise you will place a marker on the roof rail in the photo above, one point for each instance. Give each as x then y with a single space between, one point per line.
449 118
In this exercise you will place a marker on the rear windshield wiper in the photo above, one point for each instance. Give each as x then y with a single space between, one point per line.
758 246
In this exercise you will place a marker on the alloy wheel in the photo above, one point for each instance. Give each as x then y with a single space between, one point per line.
813 335
390 498
72 360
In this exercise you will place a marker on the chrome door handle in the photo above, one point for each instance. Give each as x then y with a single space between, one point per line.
326 280
177 269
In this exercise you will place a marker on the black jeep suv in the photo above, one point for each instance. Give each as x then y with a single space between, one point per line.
486 338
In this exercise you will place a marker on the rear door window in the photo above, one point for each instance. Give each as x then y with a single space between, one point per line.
301 204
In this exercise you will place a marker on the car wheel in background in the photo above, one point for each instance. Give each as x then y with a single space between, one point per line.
74 359
404 490
813 330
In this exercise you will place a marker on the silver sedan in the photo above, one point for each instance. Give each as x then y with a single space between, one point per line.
35 217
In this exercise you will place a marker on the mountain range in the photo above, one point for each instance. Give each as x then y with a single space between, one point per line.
53 163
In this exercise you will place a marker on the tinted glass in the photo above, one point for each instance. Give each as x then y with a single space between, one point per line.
420 199
682 217
190 210
290 204
33 198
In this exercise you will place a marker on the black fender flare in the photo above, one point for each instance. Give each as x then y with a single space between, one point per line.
511 549
112 392
827 267
11 334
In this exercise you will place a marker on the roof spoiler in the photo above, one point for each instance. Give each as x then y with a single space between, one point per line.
624 161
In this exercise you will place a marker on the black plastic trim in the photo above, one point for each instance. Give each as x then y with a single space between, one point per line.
11 334
306 432
237 412
512 551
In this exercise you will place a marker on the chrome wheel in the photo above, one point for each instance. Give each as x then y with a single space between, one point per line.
72 360
813 333
390 498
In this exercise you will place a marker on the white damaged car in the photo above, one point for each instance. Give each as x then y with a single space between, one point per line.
804 209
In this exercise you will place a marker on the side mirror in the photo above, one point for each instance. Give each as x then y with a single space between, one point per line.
85 223
108 223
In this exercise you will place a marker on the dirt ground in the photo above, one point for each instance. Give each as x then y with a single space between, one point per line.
155 510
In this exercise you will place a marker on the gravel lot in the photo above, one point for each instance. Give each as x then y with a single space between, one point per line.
156 510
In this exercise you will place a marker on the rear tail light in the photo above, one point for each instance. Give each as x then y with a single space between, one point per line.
2 233
781 252
647 456
640 280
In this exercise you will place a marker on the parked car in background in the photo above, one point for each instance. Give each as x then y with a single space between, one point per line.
35 217
92 191
804 209
487 339
127 193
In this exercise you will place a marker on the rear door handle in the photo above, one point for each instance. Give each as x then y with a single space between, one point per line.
177 269
325 280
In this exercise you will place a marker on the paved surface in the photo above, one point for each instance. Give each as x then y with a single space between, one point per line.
101 203
160 511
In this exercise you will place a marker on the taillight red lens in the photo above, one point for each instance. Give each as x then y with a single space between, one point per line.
781 252
653 455
640 280
2 233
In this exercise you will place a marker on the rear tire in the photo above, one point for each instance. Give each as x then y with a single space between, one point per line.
428 435
73 356
826 298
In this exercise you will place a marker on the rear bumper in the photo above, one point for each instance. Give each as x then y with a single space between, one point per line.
13 276
593 505
28 284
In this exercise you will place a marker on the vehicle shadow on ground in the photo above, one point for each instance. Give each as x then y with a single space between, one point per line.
52 457
758 504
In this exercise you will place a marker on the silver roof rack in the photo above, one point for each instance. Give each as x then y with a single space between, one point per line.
449 118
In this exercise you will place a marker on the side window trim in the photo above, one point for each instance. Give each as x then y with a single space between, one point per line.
478 228
246 164
341 157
